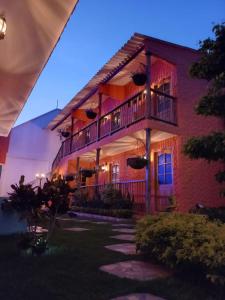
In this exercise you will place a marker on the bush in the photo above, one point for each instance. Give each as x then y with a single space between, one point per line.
118 213
114 199
186 242
213 213
109 198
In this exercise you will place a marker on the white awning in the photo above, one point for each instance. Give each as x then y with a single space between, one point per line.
33 30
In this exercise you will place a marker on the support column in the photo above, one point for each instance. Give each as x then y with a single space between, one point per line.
99 114
148 84
78 171
97 169
97 165
148 171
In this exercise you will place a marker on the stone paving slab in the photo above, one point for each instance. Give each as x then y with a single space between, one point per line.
124 230
124 237
65 219
125 248
76 229
137 270
100 222
138 297
123 225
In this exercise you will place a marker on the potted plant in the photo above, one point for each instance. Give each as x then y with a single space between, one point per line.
40 245
139 77
172 204
65 134
90 113
69 177
87 172
137 162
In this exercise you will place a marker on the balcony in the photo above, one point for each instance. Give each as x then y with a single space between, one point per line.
163 108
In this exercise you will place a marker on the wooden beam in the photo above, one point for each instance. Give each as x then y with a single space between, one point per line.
148 171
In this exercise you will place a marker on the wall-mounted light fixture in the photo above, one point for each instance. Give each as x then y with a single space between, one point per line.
3 27
104 168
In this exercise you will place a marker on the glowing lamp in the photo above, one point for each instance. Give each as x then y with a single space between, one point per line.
2 27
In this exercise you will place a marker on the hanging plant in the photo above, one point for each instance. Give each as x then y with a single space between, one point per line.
91 114
65 134
137 162
139 77
87 172
69 177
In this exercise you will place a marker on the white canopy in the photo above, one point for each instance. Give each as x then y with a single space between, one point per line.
33 30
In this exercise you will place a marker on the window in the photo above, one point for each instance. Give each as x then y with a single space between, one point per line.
165 168
115 172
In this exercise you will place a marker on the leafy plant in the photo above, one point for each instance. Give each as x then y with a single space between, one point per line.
186 242
36 204
213 213
211 67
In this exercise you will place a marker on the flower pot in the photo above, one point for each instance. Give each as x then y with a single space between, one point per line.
137 162
65 134
139 79
91 114
87 172
69 177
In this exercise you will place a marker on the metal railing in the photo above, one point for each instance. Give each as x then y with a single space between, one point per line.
163 108
136 190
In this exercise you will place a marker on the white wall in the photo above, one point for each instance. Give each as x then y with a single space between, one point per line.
32 148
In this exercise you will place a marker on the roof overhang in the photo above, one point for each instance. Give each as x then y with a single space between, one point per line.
114 69
33 30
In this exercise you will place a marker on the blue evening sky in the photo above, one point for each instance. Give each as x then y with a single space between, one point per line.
98 28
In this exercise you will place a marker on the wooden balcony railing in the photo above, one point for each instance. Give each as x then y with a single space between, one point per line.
163 108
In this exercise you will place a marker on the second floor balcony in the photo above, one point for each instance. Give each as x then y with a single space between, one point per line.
162 108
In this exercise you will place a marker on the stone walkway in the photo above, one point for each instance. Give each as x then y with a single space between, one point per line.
138 297
137 270
125 248
124 230
124 237
76 229
133 269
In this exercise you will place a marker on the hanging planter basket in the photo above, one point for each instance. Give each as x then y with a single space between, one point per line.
87 172
139 79
69 177
65 134
137 162
91 114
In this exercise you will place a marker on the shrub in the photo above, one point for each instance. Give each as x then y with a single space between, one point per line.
186 242
213 213
114 199
109 198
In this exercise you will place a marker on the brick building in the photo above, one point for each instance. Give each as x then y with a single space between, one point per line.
152 120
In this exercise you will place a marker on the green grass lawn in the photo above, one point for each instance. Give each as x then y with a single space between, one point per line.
73 273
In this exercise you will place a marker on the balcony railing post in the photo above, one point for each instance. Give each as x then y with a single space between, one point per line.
71 135
99 115
148 84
